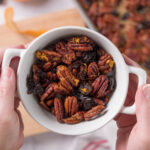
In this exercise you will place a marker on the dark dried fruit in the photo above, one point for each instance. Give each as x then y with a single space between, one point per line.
87 57
30 84
38 89
85 88
83 72
125 16
86 102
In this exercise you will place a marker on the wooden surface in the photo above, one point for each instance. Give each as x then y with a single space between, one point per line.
47 21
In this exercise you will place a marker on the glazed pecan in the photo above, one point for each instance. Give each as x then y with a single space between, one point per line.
42 103
59 109
85 3
76 118
100 86
93 112
36 77
81 44
49 92
48 56
105 63
52 76
66 76
110 2
93 71
50 102
71 105
47 66
67 55
60 89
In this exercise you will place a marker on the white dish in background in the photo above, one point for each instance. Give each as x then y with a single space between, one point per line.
47 120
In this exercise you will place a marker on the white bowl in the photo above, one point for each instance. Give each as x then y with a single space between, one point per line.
116 103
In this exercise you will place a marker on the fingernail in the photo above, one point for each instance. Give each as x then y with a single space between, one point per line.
6 73
146 91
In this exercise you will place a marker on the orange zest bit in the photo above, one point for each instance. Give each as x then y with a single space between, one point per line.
9 15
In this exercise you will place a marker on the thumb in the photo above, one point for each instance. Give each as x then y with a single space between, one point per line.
142 100
7 90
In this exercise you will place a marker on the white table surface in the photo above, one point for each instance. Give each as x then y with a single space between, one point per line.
34 7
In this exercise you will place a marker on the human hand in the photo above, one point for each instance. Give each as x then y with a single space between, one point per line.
134 130
11 126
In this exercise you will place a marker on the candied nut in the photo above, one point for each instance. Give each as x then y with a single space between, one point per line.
67 55
82 43
66 76
52 76
93 112
85 88
110 2
59 109
59 89
106 63
99 102
49 92
71 105
50 102
93 71
85 3
76 118
36 77
100 86
48 56
47 66
44 106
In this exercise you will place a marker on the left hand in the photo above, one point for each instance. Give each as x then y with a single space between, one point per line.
11 125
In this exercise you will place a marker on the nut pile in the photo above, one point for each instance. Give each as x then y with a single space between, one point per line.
124 22
73 79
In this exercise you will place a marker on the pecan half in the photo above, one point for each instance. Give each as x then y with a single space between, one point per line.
50 102
67 55
71 105
65 75
52 76
47 66
100 86
49 92
93 112
80 44
106 63
76 118
60 89
44 106
59 110
93 71
36 77
47 55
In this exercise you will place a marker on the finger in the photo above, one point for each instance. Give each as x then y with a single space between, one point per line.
7 90
142 100
130 61
2 51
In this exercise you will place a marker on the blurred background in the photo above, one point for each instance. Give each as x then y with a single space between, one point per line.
30 8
